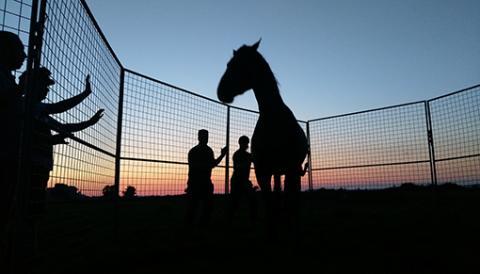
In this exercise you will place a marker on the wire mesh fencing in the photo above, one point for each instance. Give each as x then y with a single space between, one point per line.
428 142
456 136
160 126
73 47
371 149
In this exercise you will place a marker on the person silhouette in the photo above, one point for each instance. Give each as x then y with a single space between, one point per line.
201 161
241 186
12 56
42 139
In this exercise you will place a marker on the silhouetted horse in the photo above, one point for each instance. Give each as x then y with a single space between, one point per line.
279 145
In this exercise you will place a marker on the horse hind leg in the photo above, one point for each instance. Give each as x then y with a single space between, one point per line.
292 203
292 193
293 183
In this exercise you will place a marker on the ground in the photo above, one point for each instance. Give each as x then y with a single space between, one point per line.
410 230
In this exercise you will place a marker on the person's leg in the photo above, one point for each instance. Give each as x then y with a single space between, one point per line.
253 205
233 205
207 210
192 205
8 179
37 201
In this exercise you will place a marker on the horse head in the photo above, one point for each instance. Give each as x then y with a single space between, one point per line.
240 74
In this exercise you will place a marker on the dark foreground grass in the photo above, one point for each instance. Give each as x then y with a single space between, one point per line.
419 230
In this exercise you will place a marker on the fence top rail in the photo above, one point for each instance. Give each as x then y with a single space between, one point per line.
368 110
453 93
195 94
300 121
173 86
102 35
244 109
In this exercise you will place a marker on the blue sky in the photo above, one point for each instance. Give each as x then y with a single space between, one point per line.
330 57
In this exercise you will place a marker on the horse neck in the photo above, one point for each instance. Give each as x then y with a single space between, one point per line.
267 93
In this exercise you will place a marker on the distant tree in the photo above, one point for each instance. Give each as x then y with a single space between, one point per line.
64 192
130 192
109 191
409 186
450 186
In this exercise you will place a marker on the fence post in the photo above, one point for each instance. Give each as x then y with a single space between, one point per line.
431 148
12 250
309 155
118 149
227 156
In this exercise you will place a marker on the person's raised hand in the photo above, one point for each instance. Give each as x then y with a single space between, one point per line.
95 118
88 85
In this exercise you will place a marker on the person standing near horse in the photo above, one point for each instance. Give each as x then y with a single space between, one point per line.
241 186
201 161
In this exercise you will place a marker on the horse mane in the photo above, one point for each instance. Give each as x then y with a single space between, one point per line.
263 62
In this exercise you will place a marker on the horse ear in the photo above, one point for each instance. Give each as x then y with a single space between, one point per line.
255 46
234 52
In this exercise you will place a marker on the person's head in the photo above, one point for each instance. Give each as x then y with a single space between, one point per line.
42 83
203 136
243 142
12 52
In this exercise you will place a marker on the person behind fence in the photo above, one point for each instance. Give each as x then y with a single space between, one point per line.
12 56
241 186
42 139
201 161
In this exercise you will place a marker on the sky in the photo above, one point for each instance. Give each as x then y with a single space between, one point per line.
330 57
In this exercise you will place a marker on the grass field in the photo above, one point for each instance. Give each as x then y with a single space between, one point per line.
419 230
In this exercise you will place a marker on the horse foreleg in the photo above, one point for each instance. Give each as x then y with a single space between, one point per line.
264 181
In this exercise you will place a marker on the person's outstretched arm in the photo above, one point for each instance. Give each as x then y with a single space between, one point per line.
70 103
74 127
59 139
219 159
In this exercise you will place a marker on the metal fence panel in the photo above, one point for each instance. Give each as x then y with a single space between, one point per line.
160 126
372 149
456 136
73 48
